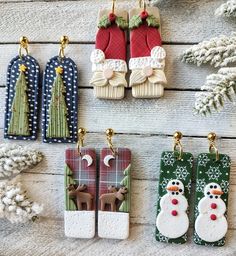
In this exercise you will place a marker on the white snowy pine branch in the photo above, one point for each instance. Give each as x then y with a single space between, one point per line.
219 88
15 206
219 51
15 158
227 9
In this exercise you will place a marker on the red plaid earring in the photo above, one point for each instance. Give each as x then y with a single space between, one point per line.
114 191
80 190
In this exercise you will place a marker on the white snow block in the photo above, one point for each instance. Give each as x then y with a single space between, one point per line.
114 225
79 224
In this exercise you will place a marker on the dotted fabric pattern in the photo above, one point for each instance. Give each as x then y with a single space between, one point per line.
70 79
32 80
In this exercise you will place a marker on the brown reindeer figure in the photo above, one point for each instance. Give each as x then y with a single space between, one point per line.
110 198
81 197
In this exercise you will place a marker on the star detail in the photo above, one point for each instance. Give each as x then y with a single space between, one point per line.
59 70
22 68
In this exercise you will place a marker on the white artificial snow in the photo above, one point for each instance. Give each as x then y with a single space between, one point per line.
79 224
114 225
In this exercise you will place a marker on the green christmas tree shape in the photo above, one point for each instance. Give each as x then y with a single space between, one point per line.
57 125
19 121
70 204
125 206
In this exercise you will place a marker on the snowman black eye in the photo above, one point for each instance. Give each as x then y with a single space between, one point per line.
177 193
173 183
173 193
215 186
211 196
177 183
208 193
216 197
180 190
211 186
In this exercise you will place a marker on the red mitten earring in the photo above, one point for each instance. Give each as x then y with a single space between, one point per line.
147 56
109 58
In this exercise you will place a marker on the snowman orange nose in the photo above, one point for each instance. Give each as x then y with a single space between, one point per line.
173 188
108 73
217 192
148 71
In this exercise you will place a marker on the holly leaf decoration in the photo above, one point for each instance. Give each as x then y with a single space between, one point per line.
121 22
104 22
135 22
152 21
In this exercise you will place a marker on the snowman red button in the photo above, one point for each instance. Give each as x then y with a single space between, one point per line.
174 213
213 217
213 206
174 201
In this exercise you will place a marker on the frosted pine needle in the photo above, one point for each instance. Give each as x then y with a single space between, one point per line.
15 206
217 89
15 158
218 52
227 9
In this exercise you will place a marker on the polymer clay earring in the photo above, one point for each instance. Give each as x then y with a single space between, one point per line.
114 191
109 58
60 98
147 60
80 190
172 220
213 171
21 111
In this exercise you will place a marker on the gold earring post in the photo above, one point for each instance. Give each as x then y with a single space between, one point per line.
23 45
113 6
212 147
177 144
109 134
64 42
81 134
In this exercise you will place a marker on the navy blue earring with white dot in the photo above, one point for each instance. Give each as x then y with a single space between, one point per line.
26 66
67 70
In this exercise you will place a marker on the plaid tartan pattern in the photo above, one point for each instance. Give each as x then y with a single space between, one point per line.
113 175
112 41
81 173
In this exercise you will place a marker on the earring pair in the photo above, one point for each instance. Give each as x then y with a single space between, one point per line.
59 97
211 195
105 190
147 57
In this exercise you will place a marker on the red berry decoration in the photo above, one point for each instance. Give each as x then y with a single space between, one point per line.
213 217
174 213
213 206
144 15
174 201
112 17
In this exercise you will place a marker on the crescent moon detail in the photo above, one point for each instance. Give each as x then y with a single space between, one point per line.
89 159
107 160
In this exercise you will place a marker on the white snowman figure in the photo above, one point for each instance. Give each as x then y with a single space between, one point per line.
172 221
211 224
